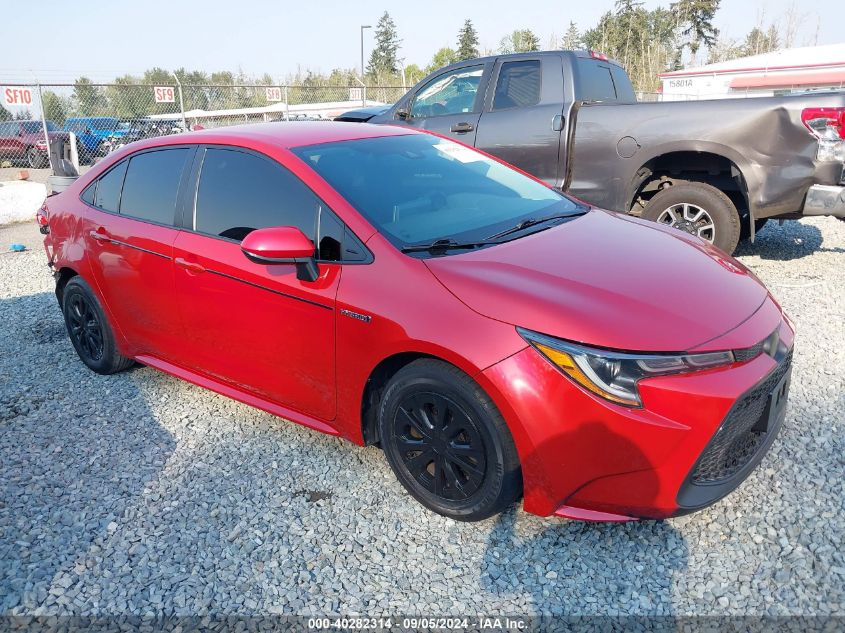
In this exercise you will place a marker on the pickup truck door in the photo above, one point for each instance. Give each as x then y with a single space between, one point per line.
449 103
524 114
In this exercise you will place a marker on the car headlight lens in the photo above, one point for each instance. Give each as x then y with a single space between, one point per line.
614 375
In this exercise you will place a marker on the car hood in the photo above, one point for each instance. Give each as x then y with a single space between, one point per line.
607 280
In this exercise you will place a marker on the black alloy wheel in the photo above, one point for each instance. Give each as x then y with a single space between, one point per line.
447 443
89 330
440 445
85 328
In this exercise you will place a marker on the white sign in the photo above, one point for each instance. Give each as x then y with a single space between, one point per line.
164 94
17 96
273 94
356 94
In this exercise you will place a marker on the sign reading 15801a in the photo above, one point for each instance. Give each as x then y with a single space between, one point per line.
17 96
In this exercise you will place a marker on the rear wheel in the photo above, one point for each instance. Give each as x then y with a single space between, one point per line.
89 331
699 209
447 443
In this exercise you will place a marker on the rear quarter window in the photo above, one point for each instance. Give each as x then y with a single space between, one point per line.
596 82
518 85
107 195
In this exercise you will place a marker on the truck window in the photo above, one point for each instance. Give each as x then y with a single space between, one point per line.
450 93
518 85
622 83
596 81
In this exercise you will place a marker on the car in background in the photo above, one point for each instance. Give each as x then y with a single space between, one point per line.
139 129
393 287
23 141
91 132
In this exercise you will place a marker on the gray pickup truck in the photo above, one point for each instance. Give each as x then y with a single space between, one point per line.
717 169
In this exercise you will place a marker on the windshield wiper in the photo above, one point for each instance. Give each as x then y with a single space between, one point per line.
444 245
528 222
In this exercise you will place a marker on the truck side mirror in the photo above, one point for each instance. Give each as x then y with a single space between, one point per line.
402 114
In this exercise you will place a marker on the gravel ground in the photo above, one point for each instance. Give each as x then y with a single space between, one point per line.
142 494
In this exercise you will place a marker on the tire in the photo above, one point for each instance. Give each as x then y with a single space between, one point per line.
89 330
35 159
447 443
679 206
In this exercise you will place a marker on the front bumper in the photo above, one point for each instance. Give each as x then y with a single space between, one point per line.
825 200
586 458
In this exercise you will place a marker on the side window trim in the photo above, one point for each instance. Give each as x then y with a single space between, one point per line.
190 208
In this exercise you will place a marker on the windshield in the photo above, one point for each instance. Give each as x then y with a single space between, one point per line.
34 127
419 188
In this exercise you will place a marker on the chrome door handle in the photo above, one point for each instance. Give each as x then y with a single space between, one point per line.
100 236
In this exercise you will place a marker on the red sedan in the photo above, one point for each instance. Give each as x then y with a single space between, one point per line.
495 337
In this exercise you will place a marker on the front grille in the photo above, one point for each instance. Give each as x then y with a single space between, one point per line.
741 433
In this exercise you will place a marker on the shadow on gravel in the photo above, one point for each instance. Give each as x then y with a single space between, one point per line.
69 465
792 240
581 568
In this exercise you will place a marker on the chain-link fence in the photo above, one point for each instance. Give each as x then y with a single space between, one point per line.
86 121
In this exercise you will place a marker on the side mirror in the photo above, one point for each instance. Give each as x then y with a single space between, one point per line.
282 245
402 114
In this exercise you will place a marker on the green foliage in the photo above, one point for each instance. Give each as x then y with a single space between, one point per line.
5 115
413 74
695 20
572 38
520 41
383 61
467 42
443 57
56 108
642 40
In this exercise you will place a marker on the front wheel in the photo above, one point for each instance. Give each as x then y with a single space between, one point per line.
699 209
447 443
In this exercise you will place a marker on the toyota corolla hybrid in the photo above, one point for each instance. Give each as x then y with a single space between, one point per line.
495 337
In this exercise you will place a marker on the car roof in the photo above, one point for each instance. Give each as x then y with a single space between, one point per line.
282 134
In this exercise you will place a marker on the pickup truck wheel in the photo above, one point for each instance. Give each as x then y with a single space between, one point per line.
698 209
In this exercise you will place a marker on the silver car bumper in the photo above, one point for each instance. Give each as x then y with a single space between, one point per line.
825 200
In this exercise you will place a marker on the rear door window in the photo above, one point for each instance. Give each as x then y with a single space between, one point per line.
107 195
152 184
596 83
239 192
518 85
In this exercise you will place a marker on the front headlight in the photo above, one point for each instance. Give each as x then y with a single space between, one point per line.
614 375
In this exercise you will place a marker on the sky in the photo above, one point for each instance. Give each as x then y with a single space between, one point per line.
103 39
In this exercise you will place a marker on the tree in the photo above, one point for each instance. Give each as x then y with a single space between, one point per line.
520 41
88 99
56 108
695 19
413 74
442 57
572 38
383 58
759 41
5 115
467 42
